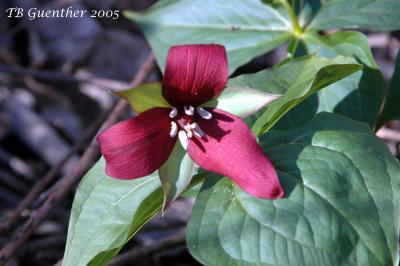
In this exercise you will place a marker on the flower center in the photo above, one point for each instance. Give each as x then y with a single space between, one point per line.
183 123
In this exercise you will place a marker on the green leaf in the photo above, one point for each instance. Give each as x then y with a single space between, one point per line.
299 78
341 207
145 97
391 109
106 213
347 43
193 191
306 10
176 174
371 14
253 31
358 96
241 101
272 2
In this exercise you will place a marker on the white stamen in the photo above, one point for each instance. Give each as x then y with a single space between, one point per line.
203 113
173 113
183 139
197 130
174 129
189 110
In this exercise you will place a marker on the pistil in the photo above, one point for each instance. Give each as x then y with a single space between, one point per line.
197 131
184 127
188 128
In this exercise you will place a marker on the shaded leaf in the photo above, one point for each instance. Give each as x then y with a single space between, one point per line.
176 174
391 109
253 31
342 205
306 10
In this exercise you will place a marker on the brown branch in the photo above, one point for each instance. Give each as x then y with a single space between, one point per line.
129 257
43 74
38 188
79 77
67 182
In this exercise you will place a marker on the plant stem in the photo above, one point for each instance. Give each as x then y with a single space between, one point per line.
296 26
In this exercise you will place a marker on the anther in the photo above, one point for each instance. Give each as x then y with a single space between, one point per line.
189 110
183 139
174 129
203 113
173 113
197 130
193 129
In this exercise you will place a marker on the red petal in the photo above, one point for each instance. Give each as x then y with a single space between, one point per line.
229 148
194 74
138 146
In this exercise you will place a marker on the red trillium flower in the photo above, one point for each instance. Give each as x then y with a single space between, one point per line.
215 140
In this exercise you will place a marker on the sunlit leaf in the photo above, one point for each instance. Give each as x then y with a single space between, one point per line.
106 213
241 101
358 96
297 79
144 97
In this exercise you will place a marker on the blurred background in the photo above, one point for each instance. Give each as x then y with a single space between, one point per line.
55 78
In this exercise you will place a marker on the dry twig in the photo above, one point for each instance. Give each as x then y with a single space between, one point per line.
80 77
130 256
67 182
38 188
